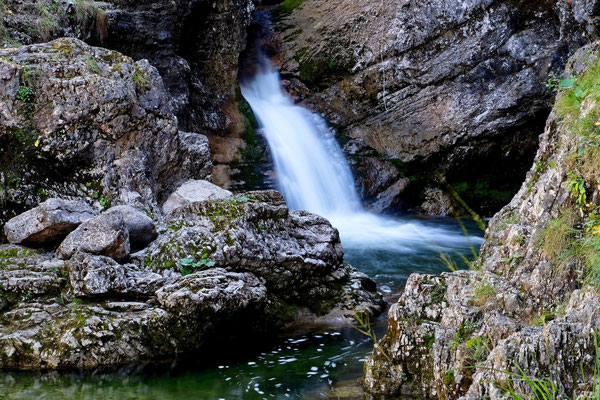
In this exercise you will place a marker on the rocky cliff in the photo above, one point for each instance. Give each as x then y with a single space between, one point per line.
418 87
529 306
86 122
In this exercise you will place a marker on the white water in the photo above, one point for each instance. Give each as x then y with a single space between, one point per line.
314 176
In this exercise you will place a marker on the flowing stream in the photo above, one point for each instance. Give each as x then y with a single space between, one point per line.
313 175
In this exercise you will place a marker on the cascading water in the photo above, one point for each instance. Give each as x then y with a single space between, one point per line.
314 176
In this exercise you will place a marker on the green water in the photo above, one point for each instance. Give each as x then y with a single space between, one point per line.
319 365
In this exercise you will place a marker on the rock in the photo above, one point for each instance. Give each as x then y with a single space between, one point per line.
105 130
219 270
48 223
101 276
194 191
105 234
213 291
530 306
141 228
26 273
425 89
195 47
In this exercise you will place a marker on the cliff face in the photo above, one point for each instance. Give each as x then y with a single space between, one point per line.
81 121
531 299
415 87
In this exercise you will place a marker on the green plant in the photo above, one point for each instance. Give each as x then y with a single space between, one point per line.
479 348
483 294
25 94
140 80
577 188
189 264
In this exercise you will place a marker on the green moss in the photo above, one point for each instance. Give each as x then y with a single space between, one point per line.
140 80
92 65
286 7
449 377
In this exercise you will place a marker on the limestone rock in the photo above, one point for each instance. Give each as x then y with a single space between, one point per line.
101 276
141 228
95 125
48 223
212 291
105 234
194 191
530 303
454 87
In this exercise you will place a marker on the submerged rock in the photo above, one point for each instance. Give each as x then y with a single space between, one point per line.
48 223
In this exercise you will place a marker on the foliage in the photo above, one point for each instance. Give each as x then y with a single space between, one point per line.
25 94
190 265
577 188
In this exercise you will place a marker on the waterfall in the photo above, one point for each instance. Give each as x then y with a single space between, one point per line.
313 174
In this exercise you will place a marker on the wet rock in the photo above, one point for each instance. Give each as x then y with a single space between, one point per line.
105 234
141 228
194 191
48 223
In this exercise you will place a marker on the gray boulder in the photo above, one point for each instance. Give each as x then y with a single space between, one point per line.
194 191
47 223
105 234
141 228
214 291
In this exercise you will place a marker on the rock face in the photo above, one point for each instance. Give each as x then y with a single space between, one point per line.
457 87
218 267
195 46
531 300
85 122
52 220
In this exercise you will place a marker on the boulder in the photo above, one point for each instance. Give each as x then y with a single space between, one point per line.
141 228
194 191
213 291
48 223
105 234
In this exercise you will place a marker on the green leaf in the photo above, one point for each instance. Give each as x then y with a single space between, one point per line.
579 92
567 83
186 261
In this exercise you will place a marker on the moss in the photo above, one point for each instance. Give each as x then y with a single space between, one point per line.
140 80
449 377
63 46
483 294
438 293
286 7
92 65
557 237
